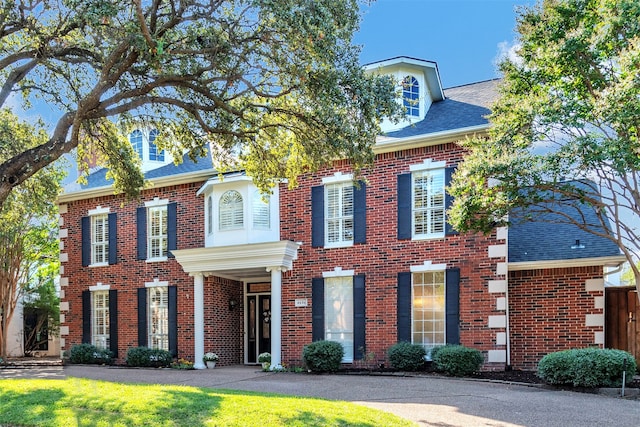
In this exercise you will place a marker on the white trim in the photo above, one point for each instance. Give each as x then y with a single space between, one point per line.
156 202
99 210
427 266
157 259
337 177
223 179
389 145
428 164
99 287
565 263
338 272
156 283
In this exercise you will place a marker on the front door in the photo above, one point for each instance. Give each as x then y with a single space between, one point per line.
622 320
258 324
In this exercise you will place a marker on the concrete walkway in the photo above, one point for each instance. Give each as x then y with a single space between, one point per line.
426 400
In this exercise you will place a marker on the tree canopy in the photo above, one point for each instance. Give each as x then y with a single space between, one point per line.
275 81
566 126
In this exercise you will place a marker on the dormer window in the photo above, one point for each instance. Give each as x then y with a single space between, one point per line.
411 96
143 142
261 212
231 210
136 141
154 155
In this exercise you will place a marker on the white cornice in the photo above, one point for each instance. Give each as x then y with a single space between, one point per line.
609 261
388 145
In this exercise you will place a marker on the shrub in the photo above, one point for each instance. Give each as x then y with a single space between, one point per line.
405 356
323 356
457 360
88 354
148 357
587 367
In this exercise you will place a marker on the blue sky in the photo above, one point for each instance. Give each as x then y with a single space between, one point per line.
464 37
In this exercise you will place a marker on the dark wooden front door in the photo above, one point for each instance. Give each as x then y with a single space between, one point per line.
259 325
622 314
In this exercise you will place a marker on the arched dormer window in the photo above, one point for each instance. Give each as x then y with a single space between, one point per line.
260 207
153 149
231 210
136 141
411 96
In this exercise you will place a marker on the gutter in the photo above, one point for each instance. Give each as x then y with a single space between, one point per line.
608 261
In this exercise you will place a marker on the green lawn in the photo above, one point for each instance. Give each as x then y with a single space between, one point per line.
80 402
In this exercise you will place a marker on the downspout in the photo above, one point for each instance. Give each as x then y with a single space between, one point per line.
506 279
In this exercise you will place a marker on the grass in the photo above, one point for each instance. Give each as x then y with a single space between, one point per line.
81 402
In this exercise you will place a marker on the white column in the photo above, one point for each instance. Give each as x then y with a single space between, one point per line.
276 316
198 320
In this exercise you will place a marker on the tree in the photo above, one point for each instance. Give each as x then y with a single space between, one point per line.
566 127
276 81
28 247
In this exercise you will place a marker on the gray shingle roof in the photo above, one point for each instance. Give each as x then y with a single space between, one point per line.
545 239
463 107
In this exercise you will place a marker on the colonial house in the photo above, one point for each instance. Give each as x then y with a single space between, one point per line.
205 263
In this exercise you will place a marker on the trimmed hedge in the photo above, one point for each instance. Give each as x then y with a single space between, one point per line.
88 354
323 356
148 357
587 367
457 360
405 356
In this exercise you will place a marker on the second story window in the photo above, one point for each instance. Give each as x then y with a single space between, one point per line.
339 213
98 235
154 153
411 96
136 142
157 232
231 214
261 215
428 203
99 239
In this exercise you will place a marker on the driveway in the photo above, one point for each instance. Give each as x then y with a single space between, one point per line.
429 401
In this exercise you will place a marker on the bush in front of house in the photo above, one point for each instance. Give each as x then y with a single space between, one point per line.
323 356
457 360
148 357
405 356
587 367
89 354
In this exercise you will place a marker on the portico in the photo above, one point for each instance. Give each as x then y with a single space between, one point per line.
242 263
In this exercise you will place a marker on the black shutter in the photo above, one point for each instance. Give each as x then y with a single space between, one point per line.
142 317
404 206
172 228
359 320
113 238
404 307
452 302
448 200
173 320
85 226
317 309
317 216
113 321
360 214
86 317
141 225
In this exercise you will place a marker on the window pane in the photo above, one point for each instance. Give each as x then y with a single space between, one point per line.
231 210
428 309
99 239
100 319
158 322
339 213
157 231
410 96
428 203
136 141
153 149
338 306
261 218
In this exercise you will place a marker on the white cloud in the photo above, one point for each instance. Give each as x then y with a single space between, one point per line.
508 50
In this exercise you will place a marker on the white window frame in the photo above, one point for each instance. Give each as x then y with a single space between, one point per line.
345 305
261 211
412 106
157 238
337 217
138 144
153 148
100 326
158 315
232 208
429 305
434 228
99 236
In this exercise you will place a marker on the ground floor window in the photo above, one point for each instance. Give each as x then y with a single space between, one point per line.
100 319
158 322
338 313
428 309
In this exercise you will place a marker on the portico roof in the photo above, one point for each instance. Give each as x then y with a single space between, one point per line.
239 262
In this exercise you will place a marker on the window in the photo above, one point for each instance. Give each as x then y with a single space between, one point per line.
428 203
99 239
339 213
210 214
260 206
100 319
231 211
338 315
158 321
153 149
410 96
428 309
136 142
157 232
